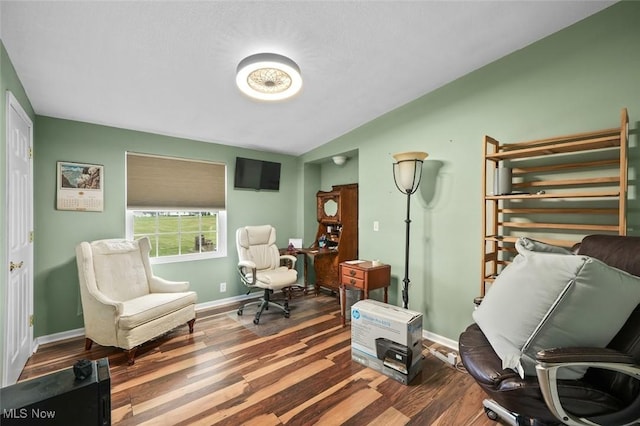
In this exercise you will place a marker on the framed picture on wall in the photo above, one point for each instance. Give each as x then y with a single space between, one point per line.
80 187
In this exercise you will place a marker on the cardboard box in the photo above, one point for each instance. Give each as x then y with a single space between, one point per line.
387 339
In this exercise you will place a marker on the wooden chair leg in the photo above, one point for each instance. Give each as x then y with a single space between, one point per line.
190 324
87 343
131 353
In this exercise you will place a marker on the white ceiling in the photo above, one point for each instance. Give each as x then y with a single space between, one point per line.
168 67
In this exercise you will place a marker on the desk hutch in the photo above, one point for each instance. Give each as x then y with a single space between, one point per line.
337 236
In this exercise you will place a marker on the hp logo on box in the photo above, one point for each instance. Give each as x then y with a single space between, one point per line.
355 314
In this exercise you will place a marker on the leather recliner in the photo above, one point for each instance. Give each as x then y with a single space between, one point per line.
608 394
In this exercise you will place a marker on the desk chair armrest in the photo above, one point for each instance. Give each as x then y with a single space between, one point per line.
549 357
290 260
247 271
550 361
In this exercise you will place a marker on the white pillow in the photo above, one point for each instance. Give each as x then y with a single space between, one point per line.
527 244
546 300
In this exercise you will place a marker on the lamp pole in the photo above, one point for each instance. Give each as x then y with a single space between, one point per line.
405 281
407 172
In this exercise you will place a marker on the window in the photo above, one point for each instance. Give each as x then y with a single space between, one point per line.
179 204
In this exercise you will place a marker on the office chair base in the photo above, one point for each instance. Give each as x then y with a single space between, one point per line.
496 412
264 303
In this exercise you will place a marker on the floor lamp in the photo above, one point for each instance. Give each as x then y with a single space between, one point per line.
407 172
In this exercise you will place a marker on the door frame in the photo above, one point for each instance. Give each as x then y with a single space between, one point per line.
13 103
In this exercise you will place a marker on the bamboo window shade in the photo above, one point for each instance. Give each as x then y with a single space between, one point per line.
167 183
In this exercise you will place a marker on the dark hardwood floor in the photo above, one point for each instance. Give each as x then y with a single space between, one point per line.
294 371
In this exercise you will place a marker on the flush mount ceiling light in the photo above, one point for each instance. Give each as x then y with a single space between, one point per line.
339 160
268 77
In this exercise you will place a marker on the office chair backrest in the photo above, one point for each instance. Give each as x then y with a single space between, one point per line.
258 244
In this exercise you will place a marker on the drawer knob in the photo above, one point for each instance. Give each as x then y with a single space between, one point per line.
352 281
352 272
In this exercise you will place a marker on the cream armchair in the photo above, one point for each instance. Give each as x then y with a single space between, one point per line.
123 302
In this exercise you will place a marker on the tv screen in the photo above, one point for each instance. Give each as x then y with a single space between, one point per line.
257 174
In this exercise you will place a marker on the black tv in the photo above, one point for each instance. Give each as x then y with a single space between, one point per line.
256 174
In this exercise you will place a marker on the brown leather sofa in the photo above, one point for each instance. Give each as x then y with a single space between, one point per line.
603 396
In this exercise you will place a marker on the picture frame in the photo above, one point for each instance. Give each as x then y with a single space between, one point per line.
80 186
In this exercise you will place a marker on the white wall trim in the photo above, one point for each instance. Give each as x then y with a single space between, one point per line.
441 340
56 337
226 301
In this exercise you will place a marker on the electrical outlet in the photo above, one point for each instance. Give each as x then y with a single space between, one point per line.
376 225
223 287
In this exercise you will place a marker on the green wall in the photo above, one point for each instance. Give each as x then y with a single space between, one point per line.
58 232
575 80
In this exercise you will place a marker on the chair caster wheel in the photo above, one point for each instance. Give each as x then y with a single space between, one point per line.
491 414
239 312
256 321
286 314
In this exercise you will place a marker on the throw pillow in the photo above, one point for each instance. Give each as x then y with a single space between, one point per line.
545 300
527 244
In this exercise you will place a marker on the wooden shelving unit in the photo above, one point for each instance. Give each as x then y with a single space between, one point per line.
563 188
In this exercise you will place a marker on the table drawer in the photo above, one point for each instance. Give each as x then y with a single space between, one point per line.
353 273
352 282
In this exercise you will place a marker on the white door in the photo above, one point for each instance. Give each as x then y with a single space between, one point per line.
18 333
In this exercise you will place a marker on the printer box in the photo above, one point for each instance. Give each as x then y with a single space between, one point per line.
387 339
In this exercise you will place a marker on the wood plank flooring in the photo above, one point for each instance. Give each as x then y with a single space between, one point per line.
295 371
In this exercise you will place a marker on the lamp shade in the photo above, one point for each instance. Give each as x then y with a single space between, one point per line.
407 170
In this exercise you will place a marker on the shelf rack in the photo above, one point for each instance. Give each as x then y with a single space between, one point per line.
563 188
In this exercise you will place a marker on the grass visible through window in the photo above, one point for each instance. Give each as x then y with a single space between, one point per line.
177 233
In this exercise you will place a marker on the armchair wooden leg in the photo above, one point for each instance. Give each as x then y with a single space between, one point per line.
87 343
190 324
131 353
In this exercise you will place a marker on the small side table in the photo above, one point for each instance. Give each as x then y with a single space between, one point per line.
363 276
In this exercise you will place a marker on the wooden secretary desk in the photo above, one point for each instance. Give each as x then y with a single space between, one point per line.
337 236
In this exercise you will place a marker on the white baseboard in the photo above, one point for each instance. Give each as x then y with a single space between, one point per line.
226 301
56 337
79 332
441 340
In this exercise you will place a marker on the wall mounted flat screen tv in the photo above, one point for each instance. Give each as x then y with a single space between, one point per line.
256 174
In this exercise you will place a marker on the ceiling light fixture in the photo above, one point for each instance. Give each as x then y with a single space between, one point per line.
339 160
268 77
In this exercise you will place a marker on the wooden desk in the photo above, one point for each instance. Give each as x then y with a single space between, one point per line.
305 253
363 276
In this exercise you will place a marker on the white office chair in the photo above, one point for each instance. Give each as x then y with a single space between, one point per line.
260 266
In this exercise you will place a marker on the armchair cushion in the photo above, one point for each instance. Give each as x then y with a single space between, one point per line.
119 269
141 310
546 299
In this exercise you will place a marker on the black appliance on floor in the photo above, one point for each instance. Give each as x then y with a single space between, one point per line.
74 396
